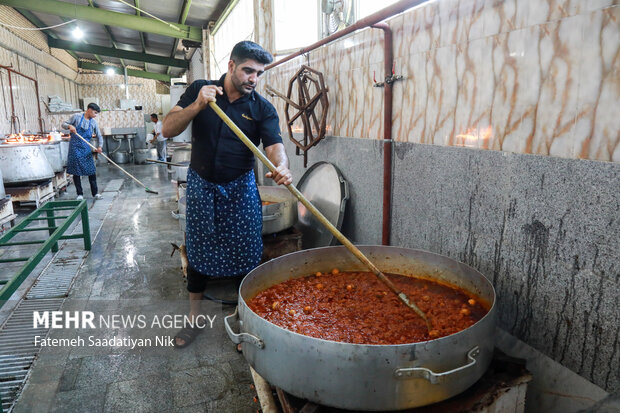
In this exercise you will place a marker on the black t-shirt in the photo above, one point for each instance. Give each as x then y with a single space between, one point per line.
218 155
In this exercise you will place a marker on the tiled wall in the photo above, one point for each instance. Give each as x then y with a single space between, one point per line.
106 119
537 77
110 90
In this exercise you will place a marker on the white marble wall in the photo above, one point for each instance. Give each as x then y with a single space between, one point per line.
537 76
106 119
109 91
27 53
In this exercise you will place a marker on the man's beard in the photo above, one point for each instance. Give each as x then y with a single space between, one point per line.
240 86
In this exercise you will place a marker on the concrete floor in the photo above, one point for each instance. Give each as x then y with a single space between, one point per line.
130 272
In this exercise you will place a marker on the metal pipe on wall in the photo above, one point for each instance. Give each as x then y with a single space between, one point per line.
388 54
372 21
36 88
126 84
13 117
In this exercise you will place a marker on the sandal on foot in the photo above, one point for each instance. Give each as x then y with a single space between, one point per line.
187 334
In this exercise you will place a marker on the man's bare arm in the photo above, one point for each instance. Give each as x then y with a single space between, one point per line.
178 118
277 156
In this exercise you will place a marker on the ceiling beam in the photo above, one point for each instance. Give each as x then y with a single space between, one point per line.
108 31
118 53
137 4
186 5
130 72
130 21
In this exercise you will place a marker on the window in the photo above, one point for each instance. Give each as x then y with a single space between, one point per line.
296 24
238 26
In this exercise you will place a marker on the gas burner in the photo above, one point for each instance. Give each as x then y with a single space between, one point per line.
22 138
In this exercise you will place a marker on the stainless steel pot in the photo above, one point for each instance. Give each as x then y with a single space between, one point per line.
182 154
2 192
180 172
365 377
53 154
120 157
23 163
141 155
280 215
64 151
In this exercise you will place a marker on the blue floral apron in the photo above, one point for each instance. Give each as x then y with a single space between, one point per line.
224 225
80 158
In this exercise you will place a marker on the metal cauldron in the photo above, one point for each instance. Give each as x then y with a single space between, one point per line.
141 155
365 377
53 154
183 156
2 192
22 163
64 151
120 157
280 215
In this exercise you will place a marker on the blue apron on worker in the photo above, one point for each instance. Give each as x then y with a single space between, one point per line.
224 225
80 158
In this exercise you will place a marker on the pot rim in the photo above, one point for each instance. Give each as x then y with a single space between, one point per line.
488 317
22 144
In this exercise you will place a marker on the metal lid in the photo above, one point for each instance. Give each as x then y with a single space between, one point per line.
324 186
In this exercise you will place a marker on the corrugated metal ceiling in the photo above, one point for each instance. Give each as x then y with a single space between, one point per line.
200 13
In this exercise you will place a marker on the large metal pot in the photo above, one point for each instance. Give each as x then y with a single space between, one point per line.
280 215
141 155
120 157
23 163
365 377
2 192
180 172
64 151
53 154
183 156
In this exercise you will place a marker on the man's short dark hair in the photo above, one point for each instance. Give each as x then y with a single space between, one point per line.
94 107
154 115
249 50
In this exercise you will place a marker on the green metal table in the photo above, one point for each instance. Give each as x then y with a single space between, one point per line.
56 227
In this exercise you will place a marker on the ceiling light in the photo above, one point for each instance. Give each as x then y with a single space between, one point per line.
109 71
77 32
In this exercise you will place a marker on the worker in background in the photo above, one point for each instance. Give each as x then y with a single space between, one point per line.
80 158
158 138
223 215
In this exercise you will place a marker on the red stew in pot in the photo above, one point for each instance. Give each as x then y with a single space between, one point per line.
356 307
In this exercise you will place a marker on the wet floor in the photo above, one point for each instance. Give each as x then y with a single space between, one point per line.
130 275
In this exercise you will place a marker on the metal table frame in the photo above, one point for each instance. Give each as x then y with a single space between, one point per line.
73 209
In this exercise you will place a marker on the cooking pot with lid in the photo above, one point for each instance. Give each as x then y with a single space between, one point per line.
365 377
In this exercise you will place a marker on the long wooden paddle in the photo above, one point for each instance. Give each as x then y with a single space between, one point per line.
403 297
114 163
